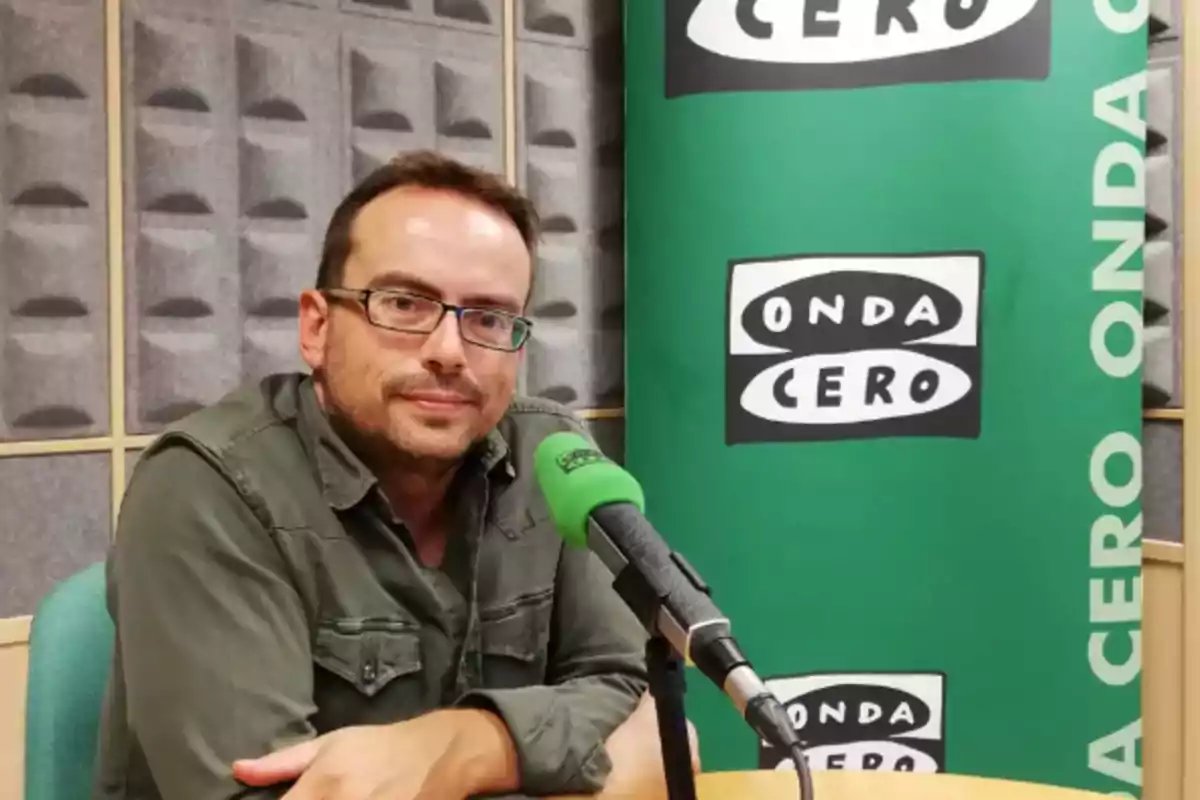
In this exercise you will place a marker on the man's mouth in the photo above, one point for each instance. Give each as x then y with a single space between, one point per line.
438 400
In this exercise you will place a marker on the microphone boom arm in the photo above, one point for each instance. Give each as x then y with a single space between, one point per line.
662 589
656 593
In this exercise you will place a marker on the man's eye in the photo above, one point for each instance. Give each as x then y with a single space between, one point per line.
400 304
498 321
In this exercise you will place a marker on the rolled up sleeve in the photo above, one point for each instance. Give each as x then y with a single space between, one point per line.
596 676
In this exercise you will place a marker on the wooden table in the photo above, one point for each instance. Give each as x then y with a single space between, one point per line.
840 785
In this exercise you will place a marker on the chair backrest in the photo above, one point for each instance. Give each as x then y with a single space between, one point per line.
70 648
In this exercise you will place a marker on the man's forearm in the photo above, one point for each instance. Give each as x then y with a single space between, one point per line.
636 754
558 731
457 753
482 754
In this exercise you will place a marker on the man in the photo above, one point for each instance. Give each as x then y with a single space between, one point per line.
347 586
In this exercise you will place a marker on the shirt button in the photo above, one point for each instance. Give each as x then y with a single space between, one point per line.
368 671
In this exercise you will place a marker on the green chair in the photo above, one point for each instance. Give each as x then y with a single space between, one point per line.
70 647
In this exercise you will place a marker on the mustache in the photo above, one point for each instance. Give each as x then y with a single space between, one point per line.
407 384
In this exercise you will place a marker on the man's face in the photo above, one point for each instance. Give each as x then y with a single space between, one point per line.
428 395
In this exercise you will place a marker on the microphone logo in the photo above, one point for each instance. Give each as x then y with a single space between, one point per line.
572 460
847 346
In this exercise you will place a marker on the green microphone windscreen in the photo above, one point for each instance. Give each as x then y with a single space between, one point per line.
575 478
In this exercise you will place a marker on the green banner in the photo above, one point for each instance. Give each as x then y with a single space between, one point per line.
883 375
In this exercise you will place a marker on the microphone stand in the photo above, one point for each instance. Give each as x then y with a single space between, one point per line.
667 681
668 685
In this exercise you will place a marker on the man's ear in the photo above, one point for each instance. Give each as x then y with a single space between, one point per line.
314 328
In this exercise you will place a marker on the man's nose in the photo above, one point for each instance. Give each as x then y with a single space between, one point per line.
444 345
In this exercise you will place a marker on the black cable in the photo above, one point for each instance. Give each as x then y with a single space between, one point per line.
802 771
767 716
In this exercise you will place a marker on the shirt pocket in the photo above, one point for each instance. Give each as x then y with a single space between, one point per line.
515 639
367 671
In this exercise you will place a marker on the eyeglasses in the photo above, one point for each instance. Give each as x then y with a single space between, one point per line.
406 312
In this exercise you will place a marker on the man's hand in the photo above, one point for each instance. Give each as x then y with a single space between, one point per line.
636 753
451 754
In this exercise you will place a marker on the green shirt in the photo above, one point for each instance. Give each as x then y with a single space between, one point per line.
263 593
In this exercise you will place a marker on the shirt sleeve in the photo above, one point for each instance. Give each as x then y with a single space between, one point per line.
596 676
212 637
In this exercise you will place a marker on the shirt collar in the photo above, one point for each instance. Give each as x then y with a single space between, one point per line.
345 480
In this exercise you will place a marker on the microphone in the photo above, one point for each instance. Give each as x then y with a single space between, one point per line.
594 503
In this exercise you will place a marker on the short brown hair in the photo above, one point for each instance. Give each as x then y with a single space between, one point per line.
429 170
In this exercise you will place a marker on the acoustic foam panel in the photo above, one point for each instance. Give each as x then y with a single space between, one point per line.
56 521
1162 482
131 459
570 161
1164 20
53 272
609 435
247 122
1161 376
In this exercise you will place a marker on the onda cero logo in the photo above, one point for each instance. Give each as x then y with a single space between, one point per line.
790 45
890 722
844 346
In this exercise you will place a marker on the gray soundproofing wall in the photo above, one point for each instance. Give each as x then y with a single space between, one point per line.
56 521
53 268
53 292
1162 376
570 158
1163 386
